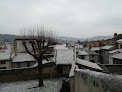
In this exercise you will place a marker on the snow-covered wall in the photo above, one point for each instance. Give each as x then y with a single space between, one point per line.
91 81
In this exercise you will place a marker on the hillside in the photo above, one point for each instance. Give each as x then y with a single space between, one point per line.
8 37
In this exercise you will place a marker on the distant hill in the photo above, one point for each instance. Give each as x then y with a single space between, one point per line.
99 38
70 38
8 37
95 38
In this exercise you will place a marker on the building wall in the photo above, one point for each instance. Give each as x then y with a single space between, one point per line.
72 84
7 64
87 58
104 57
120 46
93 57
99 54
19 46
93 44
66 70
114 69
110 58
91 81
63 70
22 64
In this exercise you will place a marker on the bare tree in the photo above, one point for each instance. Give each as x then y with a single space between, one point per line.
40 40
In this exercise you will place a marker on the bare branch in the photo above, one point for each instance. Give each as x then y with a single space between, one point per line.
24 43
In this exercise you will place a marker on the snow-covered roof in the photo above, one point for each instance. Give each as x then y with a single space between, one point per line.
87 51
21 57
78 46
82 52
119 41
106 47
45 61
84 63
91 52
117 50
5 54
117 56
64 56
95 48
63 46
88 64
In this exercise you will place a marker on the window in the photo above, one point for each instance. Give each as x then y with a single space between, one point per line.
2 67
94 44
92 55
120 46
81 57
3 62
96 51
92 61
18 65
29 64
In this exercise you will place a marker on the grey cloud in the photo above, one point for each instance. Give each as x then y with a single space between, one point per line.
77 18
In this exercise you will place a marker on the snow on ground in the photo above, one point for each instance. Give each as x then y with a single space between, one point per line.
50 85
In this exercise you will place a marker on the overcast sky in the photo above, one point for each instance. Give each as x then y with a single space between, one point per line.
72 18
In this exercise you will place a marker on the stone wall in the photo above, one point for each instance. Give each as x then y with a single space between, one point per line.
27 73
115 68
91 81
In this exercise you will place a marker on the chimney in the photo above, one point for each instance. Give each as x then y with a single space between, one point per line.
115 34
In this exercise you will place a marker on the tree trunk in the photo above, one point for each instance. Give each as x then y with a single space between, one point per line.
40 68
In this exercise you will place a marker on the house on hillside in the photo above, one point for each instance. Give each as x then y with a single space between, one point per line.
5 58
88 55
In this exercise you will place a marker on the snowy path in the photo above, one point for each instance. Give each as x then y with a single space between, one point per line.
51 85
